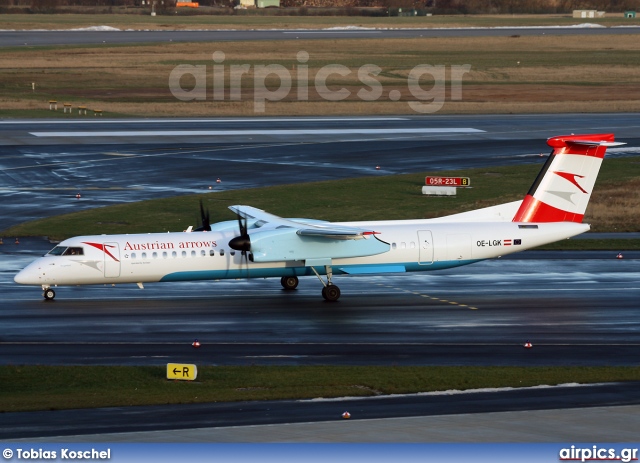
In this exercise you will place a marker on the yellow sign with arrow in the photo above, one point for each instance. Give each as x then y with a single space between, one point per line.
182 371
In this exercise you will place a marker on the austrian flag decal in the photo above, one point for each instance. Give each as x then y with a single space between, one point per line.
511 242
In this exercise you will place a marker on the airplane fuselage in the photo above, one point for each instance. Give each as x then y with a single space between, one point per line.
406 246
261 244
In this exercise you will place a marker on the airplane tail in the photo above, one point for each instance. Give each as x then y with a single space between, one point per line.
563 187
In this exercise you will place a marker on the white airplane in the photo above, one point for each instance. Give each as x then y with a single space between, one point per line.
261 245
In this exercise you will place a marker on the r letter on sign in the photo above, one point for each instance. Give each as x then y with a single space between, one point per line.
181 371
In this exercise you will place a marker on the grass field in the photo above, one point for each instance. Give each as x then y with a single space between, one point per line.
139 18
613 205
26 388
505 75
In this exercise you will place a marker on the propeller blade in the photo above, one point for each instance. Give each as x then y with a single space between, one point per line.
245 261
205 218
242 225
242 242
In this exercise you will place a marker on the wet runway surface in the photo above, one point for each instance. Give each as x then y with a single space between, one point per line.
115 161
577 308
574 308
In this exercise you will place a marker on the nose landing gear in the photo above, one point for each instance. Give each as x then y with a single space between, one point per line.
48 293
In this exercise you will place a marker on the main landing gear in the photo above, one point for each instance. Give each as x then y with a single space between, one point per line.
330 292
48 293
289 283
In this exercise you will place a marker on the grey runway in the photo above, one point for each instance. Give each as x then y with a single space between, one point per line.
596 424
597 413
576 308
10 38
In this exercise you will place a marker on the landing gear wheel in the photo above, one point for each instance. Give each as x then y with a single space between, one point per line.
49 294
331 293
289 283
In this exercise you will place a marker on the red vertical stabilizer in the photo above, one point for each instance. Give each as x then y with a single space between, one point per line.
563 187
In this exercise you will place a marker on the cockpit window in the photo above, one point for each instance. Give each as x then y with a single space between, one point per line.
73 251
66 251
57 251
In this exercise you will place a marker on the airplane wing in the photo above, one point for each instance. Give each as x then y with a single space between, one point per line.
303 227
276 239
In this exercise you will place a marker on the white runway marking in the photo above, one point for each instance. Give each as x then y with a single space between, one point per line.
325 32
212 121
206 133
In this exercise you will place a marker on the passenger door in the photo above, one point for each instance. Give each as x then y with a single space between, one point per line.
111 260
425 242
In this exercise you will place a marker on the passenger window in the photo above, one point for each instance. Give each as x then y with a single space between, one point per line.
412 245
232 253
403 245
144 255
184 253
393 246
222 252
212 253
193 253
174 254
203 253
164 254
154 255
133 255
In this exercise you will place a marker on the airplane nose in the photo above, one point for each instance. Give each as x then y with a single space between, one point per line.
28 275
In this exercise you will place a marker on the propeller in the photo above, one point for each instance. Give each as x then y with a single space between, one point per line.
205 218
242 242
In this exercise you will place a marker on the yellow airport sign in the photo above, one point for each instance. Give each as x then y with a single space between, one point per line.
182 371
